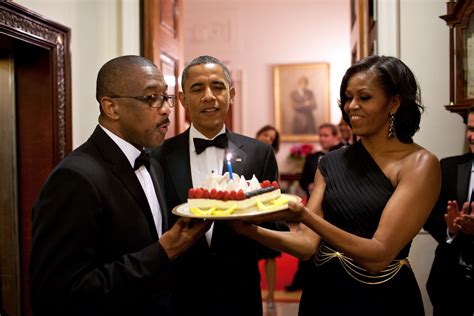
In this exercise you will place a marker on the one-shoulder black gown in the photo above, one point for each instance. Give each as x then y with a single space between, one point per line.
356 193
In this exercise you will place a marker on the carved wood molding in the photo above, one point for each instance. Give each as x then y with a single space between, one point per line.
21 23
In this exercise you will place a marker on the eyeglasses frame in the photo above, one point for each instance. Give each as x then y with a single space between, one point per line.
149 99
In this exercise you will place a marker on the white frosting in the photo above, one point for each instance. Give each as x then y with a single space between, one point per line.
254 184
224 183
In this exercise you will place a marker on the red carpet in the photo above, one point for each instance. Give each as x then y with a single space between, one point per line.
286 266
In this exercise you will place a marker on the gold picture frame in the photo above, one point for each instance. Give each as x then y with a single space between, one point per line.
301 100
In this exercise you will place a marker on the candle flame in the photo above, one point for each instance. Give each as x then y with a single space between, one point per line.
229 156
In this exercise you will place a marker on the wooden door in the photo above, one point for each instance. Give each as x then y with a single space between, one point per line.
363 29
162 29
35 89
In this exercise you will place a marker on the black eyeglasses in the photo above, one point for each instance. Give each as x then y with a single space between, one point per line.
153 100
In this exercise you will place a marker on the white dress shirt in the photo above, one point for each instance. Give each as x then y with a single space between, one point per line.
209 161
471 183
131 152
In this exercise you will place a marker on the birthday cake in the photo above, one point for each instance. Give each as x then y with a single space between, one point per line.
220 195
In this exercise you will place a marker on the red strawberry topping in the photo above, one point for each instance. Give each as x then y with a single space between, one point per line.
241 195
265 184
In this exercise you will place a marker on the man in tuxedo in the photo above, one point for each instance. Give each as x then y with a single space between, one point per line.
219 274
101 244
451 281
347 138
329 140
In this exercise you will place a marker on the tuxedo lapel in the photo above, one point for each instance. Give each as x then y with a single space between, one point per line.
180 166
156 175
463 177
123 170
238 155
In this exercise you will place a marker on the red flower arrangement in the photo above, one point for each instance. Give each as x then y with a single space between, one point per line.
300 151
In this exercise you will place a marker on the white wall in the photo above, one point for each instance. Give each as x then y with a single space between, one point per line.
254 36
100 30
424 47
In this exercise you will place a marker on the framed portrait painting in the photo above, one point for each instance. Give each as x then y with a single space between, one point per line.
301 100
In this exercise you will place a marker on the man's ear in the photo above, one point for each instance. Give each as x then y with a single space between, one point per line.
232 95
110 108
182 99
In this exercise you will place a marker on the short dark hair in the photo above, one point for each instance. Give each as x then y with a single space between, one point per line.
115 73
330 126
471 109
204 60
396 79
276 141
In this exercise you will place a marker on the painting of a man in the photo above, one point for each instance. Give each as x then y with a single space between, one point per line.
301 100
303 103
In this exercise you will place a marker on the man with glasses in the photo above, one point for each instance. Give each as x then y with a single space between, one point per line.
219 274
101 244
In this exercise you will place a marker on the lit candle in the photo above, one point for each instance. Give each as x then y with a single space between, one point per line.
229 166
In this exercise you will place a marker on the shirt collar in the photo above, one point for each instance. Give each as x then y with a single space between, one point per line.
194 133
130 151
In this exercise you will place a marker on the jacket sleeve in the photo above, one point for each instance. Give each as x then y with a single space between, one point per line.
68 268
435 224
309 169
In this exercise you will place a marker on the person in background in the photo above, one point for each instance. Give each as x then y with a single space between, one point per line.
345 131
329 140
218 275
450 284
269 135
369 201
101 244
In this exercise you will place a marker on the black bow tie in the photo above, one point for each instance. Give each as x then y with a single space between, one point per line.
142 160
201 144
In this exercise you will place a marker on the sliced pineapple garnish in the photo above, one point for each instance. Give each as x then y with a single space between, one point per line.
226 212
280 201
261 206
200 212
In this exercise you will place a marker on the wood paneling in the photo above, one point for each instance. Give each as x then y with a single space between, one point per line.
458 16
41 58
161 27
363 29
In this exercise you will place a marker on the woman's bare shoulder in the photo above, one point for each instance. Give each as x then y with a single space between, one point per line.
419 159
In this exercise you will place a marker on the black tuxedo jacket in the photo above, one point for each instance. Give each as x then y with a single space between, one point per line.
95 249
311 165
223 278
444 276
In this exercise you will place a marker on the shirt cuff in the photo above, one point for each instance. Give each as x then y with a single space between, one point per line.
449 237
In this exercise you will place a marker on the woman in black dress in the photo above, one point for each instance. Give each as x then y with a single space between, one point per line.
369 201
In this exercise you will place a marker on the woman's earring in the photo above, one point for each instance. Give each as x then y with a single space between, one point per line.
391 128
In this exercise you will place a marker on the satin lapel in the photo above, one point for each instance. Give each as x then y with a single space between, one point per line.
463 177
156 175
179 165
123 170
238 155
